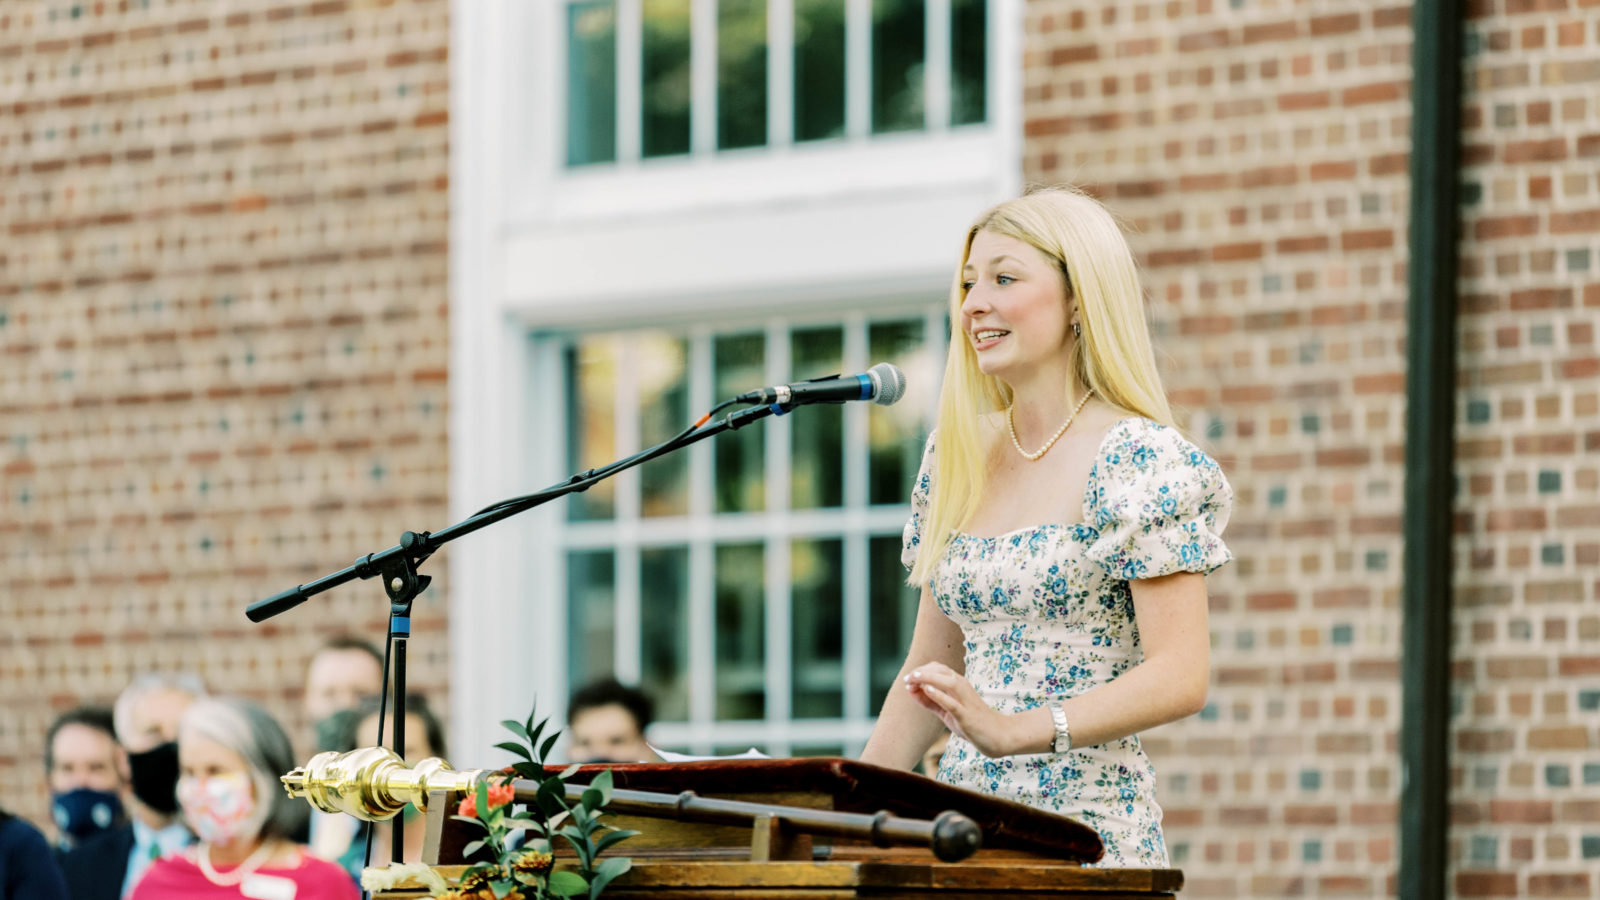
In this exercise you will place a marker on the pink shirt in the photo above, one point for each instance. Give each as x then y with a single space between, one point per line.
177 877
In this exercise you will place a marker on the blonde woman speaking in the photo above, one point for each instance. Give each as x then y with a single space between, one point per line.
1061 531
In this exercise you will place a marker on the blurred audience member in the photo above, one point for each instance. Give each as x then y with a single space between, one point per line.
231 754
146 716
28 869
86 774
342 671
424 738
606 722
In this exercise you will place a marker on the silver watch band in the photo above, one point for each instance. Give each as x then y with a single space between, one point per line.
1063 741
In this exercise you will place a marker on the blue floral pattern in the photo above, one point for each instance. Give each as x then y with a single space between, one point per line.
1046 613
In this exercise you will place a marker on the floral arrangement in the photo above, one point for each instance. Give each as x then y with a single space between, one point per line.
525 872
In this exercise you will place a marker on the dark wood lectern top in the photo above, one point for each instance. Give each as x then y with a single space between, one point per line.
851 786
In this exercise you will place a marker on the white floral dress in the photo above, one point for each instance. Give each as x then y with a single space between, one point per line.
1046 613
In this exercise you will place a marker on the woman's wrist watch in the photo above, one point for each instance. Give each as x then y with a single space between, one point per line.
1063 740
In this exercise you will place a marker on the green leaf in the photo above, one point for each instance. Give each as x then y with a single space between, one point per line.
482 788
602 783
533 709
473 847
592 800
570 771
502 888
568 884
516 728
529 770
533 735
514 747
470 820
544 752
608 869
615 837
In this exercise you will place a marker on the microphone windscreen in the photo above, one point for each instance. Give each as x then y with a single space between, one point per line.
891 384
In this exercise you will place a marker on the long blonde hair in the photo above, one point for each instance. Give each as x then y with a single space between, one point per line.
1111 356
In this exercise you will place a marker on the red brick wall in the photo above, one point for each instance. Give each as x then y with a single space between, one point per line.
1259 150
222 341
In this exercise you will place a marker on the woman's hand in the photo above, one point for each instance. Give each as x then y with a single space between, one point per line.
951 697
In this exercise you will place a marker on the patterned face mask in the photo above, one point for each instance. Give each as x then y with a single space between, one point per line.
219 808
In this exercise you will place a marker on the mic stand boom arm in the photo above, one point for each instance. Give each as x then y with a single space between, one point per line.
414 547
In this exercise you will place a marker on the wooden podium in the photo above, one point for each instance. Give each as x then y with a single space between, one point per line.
1025 852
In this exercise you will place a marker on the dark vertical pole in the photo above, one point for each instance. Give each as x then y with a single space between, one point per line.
1430 448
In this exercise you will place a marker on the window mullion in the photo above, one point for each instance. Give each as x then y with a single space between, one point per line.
858 69
780 627
854 650
625 646
702 559
703 77
936 74
630 80
780 73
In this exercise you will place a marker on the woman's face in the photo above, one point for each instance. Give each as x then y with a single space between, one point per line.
201 757
1015 310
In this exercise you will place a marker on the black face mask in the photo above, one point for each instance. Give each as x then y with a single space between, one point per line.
155 777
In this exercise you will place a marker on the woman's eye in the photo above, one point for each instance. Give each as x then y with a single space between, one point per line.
1003 279
966 286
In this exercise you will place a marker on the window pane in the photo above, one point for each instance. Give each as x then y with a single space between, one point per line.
817 617
817 750
740 476
816 474
895 434
898 51
892 611
665 71
969 61
591 615
591 82
664 641
818 69
741 73
663 364
741 632
591 422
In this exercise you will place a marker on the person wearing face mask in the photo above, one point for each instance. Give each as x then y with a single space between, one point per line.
86 773
146 714
231 754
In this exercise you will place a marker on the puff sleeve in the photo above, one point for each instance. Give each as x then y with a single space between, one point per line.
1158 502
911 539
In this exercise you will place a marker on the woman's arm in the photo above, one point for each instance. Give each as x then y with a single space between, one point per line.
1169 684
904 732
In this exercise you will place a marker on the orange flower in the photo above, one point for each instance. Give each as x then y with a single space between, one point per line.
499 795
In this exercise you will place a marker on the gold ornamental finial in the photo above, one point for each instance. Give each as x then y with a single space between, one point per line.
372 783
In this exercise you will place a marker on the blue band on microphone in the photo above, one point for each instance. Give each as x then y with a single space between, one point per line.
399 624
866 387
778 410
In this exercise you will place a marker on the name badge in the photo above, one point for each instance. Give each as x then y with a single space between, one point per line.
267 887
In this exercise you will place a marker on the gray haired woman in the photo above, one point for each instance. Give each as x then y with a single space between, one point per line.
231 754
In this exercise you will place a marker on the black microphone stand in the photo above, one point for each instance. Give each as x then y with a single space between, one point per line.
397 566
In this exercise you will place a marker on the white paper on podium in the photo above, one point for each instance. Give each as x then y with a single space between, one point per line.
669 756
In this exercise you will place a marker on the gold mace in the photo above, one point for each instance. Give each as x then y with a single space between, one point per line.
372 783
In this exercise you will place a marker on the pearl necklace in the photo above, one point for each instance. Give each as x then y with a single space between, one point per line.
202 858
1011 425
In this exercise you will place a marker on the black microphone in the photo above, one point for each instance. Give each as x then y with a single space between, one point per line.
883 384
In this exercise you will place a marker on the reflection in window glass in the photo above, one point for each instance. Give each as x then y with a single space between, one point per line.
664 60
591 410
591 82
741 627
817 614
892 460
892 613
741 73
816 473
738 362
819 52
662 364
969 61
898 55
591 615
664 644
